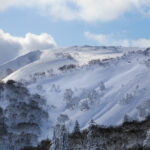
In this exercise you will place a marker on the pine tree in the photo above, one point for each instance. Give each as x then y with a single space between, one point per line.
92 123
3 126
90 135
76 127
102 86
55 141
64 140
126 118
60 138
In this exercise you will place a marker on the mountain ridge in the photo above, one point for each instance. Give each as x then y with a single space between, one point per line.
82 84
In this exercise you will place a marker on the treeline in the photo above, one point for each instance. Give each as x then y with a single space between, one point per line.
133 135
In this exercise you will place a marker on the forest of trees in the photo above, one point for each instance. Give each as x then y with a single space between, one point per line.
21 116
131 135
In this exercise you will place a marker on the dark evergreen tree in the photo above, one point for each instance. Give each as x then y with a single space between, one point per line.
64 140
60 138
3 126
76 127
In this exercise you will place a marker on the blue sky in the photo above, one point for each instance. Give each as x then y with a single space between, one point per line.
18 22
74 22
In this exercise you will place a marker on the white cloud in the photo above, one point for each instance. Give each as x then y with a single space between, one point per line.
12 46
87 10
110 40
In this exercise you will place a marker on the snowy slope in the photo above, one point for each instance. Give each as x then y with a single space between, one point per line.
50 60
17 63
106 89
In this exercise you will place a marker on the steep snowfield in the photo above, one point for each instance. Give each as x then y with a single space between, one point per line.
17 63
103 90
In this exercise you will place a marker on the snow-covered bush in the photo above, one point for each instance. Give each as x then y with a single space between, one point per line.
67 67
126 99
55 88
39 87
102 86
50 72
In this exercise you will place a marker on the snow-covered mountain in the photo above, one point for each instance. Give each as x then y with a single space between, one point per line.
18 63
84 83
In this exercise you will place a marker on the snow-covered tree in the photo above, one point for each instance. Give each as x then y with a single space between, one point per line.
55 88
3 126
55 139
102 86
90 135
127 98
127 118
64 140
60 138
70 100
83 104
92 97
146 142
76 127
50 72
141 112
92 123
